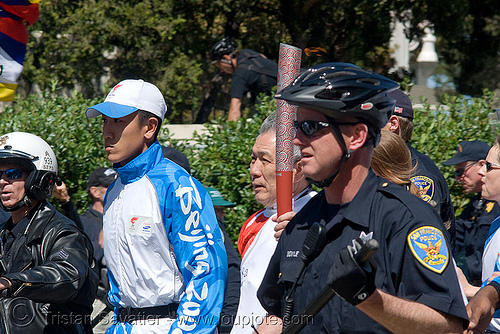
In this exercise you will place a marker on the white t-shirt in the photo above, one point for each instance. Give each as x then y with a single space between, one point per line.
254 265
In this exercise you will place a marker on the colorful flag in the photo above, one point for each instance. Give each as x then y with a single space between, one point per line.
15 15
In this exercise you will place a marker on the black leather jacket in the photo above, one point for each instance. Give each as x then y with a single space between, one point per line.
52 264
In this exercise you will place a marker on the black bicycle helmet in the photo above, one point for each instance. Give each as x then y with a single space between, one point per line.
341 90
223 47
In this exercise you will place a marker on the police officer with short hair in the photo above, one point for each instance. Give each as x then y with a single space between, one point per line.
474 222
411 285
428 178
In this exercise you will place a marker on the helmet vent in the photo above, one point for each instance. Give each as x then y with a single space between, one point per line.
305 79
337 74
371 81
332 94
224 47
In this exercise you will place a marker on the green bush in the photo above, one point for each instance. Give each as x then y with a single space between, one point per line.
224 157
61 122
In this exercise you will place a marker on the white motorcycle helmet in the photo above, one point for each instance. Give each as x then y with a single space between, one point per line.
35 156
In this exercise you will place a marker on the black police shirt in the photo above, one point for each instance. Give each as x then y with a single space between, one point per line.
246 77
413 262
433 188
472 228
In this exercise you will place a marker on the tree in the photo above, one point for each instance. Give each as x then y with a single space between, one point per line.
167 42
83 42
468 41
351 31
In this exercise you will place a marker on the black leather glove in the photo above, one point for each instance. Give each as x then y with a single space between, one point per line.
352 276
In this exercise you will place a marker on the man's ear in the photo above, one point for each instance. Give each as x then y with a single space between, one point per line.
94 192
393 125
298 175
359 135
152 125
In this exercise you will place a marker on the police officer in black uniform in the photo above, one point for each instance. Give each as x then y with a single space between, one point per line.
428 178
474 222
411 285
252 72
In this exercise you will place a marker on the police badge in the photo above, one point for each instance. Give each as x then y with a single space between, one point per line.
425 185
429 247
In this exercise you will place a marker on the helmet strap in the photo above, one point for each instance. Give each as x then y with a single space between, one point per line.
374 136
345 155
25 201
373 140
346 152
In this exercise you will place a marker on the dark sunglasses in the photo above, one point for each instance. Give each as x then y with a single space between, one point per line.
12 173
490 166
459 172
311 127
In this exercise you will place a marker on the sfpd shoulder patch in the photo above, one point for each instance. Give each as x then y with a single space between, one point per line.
489 206
429 247
425 185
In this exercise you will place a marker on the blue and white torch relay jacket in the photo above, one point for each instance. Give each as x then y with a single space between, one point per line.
163 245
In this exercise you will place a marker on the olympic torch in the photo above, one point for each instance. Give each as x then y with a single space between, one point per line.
288 70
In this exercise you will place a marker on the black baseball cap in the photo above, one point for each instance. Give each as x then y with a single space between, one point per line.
176 156
403 106
474 150
102 177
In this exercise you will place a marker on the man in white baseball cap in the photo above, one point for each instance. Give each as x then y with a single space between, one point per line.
165 254
129 96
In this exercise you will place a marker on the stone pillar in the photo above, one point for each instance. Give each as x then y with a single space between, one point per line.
427 59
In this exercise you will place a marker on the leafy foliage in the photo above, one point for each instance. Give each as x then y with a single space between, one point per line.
91 44
468 41
220 159
75 139
438 132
